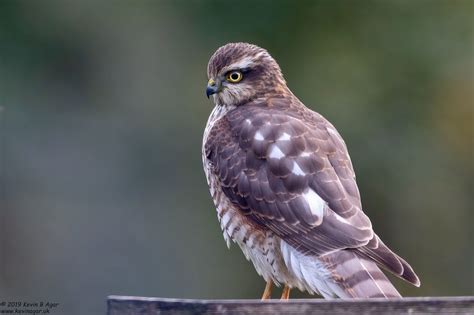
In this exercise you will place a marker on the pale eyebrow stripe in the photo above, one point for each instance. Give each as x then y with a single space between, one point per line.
245 62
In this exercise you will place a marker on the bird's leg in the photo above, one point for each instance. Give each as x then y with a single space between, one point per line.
285 295
268 291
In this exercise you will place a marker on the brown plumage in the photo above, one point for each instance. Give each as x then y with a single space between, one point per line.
284 186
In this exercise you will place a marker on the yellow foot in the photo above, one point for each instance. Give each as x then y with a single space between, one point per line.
285 295
268 291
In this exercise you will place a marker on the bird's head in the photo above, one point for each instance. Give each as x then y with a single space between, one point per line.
241 72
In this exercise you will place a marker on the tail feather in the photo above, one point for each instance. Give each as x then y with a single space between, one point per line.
358 277
385 258
346 273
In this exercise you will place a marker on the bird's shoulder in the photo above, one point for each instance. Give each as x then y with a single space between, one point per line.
283 119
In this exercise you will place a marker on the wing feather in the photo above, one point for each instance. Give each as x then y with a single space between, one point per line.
289 171
268 161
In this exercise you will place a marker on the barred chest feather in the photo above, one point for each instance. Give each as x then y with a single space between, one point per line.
260 247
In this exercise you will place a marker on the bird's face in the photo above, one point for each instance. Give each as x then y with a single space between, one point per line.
240 72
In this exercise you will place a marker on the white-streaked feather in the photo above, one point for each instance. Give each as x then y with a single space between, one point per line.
275 152
258 136
297 170
308 271
316 204
284 137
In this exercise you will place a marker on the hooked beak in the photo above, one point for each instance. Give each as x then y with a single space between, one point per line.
211 88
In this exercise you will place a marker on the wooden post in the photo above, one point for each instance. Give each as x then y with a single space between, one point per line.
128 305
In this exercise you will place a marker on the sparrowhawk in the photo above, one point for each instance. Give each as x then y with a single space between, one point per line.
284 186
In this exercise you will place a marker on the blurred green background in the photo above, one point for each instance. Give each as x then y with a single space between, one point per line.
102 115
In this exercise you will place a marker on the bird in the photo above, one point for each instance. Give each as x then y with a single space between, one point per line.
284 187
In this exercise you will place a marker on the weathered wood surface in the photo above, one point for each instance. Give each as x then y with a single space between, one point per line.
127 305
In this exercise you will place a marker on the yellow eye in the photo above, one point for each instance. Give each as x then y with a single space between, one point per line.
234 76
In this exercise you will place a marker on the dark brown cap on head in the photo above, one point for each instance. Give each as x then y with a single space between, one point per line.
233 53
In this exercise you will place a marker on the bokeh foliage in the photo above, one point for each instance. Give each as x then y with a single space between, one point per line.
103 110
